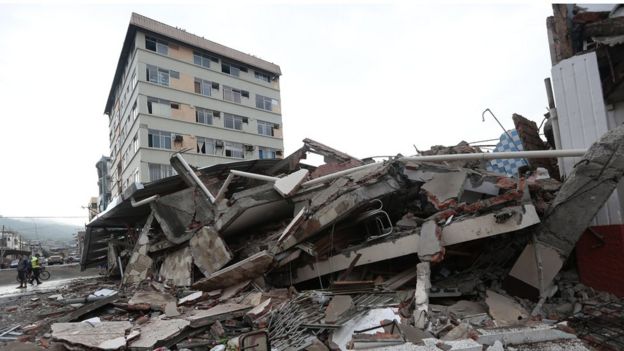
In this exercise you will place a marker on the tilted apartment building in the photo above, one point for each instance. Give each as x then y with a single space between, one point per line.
175 91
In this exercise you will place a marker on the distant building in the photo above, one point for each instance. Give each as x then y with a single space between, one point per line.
93 207
175 91
11 240
104 184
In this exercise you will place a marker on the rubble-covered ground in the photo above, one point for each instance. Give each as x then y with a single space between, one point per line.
410 253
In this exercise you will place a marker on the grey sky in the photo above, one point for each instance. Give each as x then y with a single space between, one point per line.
368 79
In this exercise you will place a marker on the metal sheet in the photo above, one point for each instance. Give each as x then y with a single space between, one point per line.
583 118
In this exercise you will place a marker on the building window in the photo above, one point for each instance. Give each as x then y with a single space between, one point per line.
205 146
156 45
234 150
231 94
202 59
159 139
232 70
135 111
262 76
161 107
135 143
266 103
135 80
159 171
233 121
266 153
205 87
203 116
158 75
136 176
265 128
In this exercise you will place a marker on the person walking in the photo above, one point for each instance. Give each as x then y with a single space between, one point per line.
22 271
36 269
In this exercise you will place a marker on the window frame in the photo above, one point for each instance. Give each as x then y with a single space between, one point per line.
263 125
233 150
233 92
207 115
204 86
158 139
206 141
261 102
265 77
160 46
236 121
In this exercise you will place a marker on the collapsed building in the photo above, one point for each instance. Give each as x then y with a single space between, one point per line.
424 252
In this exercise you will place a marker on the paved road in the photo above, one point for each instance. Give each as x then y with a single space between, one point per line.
59 275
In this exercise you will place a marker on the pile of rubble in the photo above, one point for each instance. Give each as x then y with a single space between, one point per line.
353 254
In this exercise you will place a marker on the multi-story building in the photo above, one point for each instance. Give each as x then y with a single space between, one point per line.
104 185
175 91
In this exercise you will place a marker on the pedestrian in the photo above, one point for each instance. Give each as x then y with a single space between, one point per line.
22 271
36 269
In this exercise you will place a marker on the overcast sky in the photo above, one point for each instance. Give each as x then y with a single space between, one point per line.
368 79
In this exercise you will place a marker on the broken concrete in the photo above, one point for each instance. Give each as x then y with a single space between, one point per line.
289 184
582 195
429 246
140 263
249 268
157 330
177 267
100 336
421 295
156 300
206 240
337 306
504 310
220 312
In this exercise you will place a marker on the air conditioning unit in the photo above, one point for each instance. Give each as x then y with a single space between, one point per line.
219 143
250 148
178 138
279 152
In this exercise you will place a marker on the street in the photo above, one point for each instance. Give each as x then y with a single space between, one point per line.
59 275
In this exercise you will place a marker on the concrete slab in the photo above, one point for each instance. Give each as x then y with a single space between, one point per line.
338 305
177 267
249 268
474 228
289 184
155 299
209 251
100 336
397 247
522 335
446 186
504 310
220 312
157 330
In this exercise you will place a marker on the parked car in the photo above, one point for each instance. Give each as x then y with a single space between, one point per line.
55 259
14 264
